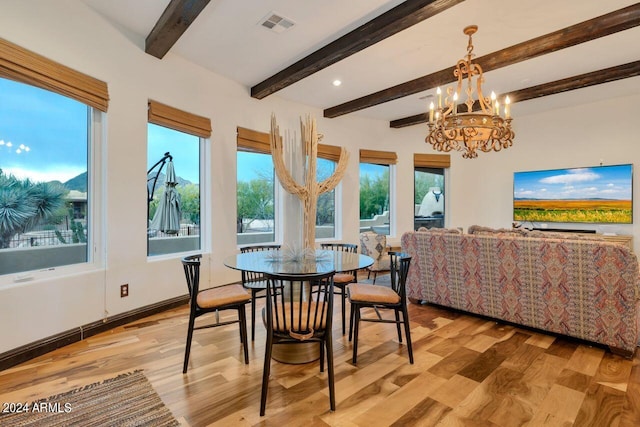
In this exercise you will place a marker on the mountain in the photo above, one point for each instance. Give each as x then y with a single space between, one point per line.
161 178
78 183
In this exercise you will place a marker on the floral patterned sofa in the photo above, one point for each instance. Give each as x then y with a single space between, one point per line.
580 287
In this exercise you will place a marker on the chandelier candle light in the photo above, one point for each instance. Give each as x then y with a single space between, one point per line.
485 129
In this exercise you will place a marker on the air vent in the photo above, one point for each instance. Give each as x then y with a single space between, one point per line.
276 23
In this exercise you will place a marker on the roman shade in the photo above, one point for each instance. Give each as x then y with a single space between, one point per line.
253 141
258 142
24 66
421 160
164 115
378 157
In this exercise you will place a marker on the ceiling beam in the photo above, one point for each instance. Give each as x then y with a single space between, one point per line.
601 26
619 72
176 18
389 23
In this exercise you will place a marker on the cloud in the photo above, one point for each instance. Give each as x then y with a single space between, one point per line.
62 175
572 177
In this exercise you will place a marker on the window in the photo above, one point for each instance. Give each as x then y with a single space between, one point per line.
429 198
255 198
50 127
375 191
326 213
45 180
429 186
174 145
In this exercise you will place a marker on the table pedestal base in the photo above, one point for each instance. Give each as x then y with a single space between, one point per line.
296 353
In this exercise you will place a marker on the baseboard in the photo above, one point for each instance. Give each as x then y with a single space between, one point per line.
38 348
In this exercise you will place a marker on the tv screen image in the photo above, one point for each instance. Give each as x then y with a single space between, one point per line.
600 194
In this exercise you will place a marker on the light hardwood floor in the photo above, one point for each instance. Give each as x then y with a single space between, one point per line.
468 371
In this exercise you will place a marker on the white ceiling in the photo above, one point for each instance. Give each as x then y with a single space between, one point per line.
227 39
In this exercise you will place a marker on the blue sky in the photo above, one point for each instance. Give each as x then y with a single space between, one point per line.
183 147
256 165
372 170
43 137
253 165
51 129
606 182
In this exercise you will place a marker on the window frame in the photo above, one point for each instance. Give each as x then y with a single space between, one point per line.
337 215
96 229
198 126
278 203
433 161
202 150
392 194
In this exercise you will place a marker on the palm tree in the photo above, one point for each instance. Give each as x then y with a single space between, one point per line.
24 204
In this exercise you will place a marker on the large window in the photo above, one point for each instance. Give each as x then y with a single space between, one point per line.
257 194
429 186
375 191
255 198
175 142
174 205
45 179
326 213
429 198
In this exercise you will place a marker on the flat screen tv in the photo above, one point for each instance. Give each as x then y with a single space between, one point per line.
601 194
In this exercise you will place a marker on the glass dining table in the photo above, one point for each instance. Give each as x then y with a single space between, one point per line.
282 262
277 261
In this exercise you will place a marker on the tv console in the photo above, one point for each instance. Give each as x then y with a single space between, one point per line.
622 239
565 230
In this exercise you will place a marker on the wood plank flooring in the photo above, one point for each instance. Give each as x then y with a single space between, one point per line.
468 371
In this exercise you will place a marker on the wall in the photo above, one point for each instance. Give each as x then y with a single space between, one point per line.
479 191
69 32
583 128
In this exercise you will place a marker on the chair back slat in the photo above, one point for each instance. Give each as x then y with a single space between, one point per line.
345 247
399 268
249 277
191 266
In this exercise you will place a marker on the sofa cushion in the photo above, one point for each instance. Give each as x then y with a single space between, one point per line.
440 230
479 230
566 236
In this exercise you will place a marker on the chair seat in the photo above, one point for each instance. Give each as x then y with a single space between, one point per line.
339 278
221 296
360 292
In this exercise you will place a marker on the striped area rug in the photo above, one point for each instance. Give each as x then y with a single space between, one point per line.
126 400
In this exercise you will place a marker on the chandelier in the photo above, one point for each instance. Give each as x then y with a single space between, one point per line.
469 131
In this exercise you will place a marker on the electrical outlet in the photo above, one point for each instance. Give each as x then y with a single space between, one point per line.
124 290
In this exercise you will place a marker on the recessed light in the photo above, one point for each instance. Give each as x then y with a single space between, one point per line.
337 82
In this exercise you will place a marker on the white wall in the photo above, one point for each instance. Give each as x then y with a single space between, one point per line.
575 133
479 191
69 32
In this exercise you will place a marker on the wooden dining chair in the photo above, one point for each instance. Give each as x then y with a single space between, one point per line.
378 297
294 314
342 279
255 282
228 297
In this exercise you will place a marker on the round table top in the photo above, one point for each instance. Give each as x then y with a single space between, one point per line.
274 261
